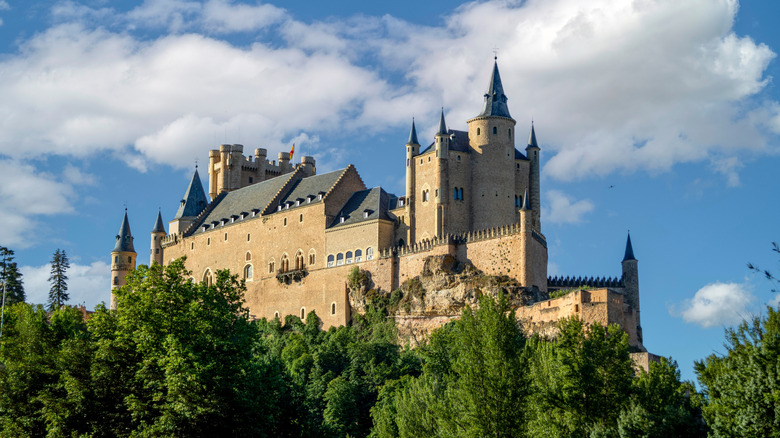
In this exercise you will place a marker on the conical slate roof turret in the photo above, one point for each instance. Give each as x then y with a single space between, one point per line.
525 201
629 250
495 99
413 135
194 199
159 227
532 138
124 240
442 126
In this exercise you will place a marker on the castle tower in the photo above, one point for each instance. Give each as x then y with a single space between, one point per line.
122 258
412 150
442 144
532 152
158 234
190 206
491 136
631 283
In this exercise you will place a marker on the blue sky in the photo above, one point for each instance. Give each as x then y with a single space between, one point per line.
662 117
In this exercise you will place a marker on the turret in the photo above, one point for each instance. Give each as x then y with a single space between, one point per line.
122 258
631 283
284 162
309 165
412 150
190 206
442 181
158 234
532 152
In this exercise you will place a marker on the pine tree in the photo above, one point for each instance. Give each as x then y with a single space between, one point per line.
58 294
10 278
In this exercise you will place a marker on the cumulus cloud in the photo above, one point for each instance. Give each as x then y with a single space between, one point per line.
562 209
24 194
716 304
87 284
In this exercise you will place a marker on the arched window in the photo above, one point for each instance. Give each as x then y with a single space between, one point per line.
248 272
477 131
207 277
330 260
349 257
495 130
116 259
299 260
276 315
116 280
358 255
370 253
271 266
311 257
333 308
285 265
339 259
248 256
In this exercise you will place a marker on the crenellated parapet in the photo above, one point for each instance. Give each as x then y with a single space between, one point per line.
574 282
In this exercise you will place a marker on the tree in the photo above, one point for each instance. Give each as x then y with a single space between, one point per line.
10 278
743 386
58 294
766 273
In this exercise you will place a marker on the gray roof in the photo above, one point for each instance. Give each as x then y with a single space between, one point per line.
253 197
124 240
532 138
159 227
376 202
520 156
629 250
194 199
311 186
413 135
459 141
495 99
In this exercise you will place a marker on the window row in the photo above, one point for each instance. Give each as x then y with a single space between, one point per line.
495 131
284 263
277 315
458 193
349 257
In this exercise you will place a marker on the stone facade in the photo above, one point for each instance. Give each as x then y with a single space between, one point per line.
294 235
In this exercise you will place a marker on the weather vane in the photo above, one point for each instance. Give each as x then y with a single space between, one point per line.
495 53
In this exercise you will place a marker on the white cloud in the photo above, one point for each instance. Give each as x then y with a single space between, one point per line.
775 301
716 304
214 16
562 209
74 176
87 284
24 194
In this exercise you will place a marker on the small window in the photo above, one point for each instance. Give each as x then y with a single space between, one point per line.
509 133
370 253
303 313
279 207
192 245
330 260
116 280
421 160
342 219
349 257
248 272
116 259
407 162
429 159
271 267
285 222
436 193
157 250
339 259
311 258
365 214
129 259
225 237
248 256
248 237
358 255
251 180
478 131
276 315
458 157
300 218
495 130
208 241
333 308
518 166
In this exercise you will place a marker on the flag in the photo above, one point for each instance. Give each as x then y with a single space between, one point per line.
292 151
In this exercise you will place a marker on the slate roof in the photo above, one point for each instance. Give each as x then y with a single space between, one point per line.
532 138
194 200
629 250
159 227
413 135
124 240
375 201
311 186
520 156
458 143
442 125
495 99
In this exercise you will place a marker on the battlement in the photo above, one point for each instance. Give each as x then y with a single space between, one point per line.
458 239
574 282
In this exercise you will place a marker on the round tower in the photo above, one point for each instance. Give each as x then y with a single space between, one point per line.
630 267
491 136
158 234
122 258
412 150
532 152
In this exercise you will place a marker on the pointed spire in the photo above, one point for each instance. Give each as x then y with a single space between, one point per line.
525 201
495 99
629 250
194 199
413 135
159 227
532 138
442 125
124 240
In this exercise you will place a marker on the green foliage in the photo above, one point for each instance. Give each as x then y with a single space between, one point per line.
58 294
10 278
742 387
358 279
561 292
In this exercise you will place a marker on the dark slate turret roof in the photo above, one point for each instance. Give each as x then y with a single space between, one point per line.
194 199
442 126
629 250
413 135
124 240
159 227
495 99
459 141
525 201
376 202
532 138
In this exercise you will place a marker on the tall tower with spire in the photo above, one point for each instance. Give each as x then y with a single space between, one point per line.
532 152
122 258
491 136
190 206
412 150
158 234
631 283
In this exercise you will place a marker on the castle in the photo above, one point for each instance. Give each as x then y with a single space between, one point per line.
294 235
